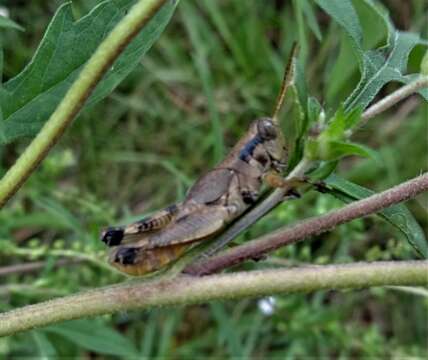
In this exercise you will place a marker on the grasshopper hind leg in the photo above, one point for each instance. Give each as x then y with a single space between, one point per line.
139 261
114 236
126 256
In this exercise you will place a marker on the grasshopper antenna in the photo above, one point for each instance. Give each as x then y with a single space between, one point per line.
287 80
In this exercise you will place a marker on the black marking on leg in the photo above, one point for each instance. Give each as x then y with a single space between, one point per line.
321 186
293 194
145 224
112 236
126 256
151 223
249 197
172 209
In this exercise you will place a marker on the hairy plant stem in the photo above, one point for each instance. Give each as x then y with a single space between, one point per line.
393 98
313 226
103 58
192 290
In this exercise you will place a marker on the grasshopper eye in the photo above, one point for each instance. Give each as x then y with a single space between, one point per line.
266 129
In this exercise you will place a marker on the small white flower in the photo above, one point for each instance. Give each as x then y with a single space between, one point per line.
267 305
4 11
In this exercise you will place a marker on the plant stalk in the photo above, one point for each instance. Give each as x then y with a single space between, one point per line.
103 58
193 290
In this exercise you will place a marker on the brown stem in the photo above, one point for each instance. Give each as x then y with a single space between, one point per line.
185 290
393 98
313 226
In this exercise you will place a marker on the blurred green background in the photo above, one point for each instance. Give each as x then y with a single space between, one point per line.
217 66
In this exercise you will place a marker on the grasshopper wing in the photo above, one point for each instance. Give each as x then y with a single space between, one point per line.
153 251
192 227
211 187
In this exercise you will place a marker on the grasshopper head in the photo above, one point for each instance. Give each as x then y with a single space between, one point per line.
273 142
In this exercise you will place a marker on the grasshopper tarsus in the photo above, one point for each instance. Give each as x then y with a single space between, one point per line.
321 186
112 236
292 194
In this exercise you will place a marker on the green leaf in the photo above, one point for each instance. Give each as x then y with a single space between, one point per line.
331 150
343 12
302 32
308 10
383 66
228 336
295 131
194 24
314 110
59 216
30 97
331 145
340 149
377 67
397 215
375 24
424 64
45 348
341 122
1 65
228 35
323 170
2 134
7 23
95 336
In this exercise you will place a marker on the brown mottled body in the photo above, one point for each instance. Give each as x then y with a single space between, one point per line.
216 199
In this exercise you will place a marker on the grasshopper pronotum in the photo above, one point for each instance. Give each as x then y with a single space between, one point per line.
216 199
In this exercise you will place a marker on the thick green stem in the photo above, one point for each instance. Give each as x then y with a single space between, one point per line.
191 290
108 51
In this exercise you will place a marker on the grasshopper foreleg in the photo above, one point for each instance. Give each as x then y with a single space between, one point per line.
275 180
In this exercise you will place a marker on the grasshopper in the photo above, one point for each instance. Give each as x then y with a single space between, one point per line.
215 200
